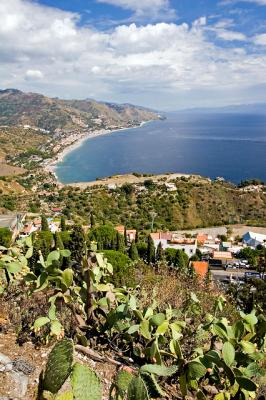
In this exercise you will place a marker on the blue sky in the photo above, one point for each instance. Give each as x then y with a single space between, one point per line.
157 53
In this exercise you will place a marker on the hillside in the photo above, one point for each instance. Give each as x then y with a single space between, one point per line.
197 202
14 140
19 108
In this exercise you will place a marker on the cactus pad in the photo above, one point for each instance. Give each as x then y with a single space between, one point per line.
85 383
137 390
58 366
152 385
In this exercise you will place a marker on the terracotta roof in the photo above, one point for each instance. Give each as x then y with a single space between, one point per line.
225 255
201 238
120 228
201 267
161 235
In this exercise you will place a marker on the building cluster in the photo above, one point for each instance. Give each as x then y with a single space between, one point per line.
215 253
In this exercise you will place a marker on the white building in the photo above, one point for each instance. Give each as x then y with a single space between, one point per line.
171 187
170 240
253 239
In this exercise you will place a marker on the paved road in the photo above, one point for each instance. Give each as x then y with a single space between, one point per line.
221 274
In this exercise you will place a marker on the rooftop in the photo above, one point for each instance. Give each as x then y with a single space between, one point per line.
201 267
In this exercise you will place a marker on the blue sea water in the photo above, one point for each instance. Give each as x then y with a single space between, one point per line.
229 145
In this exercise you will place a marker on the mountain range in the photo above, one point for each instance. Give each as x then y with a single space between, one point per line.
37 110
253 108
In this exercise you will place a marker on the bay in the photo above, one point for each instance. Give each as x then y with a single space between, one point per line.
228 145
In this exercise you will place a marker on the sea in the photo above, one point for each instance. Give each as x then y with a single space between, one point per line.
228 145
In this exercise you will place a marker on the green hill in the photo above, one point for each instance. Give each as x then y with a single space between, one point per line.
19 108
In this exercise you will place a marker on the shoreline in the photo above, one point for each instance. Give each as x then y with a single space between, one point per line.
50 167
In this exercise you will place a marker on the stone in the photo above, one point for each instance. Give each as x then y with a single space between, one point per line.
23 366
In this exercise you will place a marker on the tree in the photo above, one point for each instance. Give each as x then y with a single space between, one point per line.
58 241
45 226
181 260
5 237
63 224
120 244
159 252
249 254
142 249
125 236
170 255
92 220
127 188
150 251
43 243
123 271
149 184
104 235
77 244
197 256
133 251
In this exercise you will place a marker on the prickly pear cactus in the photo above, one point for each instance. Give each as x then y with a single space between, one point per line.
152 385
65 396
58 366
85 383
137 390
123 380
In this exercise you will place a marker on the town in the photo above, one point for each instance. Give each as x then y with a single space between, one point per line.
219 250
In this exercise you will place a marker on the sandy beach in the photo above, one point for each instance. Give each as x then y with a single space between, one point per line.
78 140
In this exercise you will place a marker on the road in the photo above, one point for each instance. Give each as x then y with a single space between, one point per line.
219 274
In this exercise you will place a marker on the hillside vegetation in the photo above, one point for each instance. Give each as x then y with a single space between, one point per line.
173 336
14 140
18 108
192 205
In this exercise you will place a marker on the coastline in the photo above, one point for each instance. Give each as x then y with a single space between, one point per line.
50 167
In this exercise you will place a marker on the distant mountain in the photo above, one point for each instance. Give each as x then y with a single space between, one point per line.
19 108
256 108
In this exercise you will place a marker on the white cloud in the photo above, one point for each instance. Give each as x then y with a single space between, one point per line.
138 5
33 74
161 65
151 8
230 35
260 39
257 2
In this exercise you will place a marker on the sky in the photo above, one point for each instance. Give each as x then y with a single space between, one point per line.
163 54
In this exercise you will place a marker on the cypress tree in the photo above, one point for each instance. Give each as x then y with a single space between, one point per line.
92 220
137 237
114 243
63 224
125 236
45 226
58 241
150 251
77 244
120 243
159 252
133 251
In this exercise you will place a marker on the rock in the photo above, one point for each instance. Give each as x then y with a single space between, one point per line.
4 359
23 366
13 377
21 385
